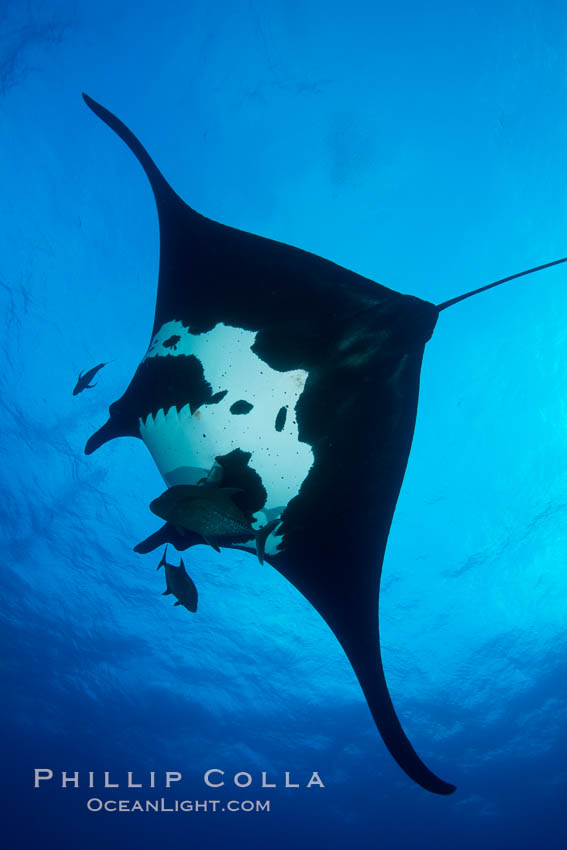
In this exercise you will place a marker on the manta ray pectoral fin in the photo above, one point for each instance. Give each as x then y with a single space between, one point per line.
175 604
161 188
354 621
367 665
261 537
166 592
338 571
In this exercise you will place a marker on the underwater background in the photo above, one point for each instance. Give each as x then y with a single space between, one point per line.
423 146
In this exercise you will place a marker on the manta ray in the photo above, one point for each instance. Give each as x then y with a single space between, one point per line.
294 383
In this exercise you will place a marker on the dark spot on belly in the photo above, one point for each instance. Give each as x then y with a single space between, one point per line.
172 342
280 418
217 397
240 407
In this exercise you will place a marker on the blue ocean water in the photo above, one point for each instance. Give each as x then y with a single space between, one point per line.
423 146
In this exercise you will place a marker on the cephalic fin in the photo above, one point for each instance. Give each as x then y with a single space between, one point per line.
109 431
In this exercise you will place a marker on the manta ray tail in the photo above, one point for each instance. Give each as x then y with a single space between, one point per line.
456 300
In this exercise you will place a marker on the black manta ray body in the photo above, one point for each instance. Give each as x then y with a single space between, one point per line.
296 382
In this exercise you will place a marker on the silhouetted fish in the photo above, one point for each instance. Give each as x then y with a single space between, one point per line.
211 512
180 584
83 381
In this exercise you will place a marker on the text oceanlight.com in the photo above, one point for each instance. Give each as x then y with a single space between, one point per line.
95 804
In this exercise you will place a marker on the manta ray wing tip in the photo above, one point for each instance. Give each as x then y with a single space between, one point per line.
445 788
92 104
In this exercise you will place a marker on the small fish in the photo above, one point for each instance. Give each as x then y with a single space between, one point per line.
211 512
179 584
84 381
